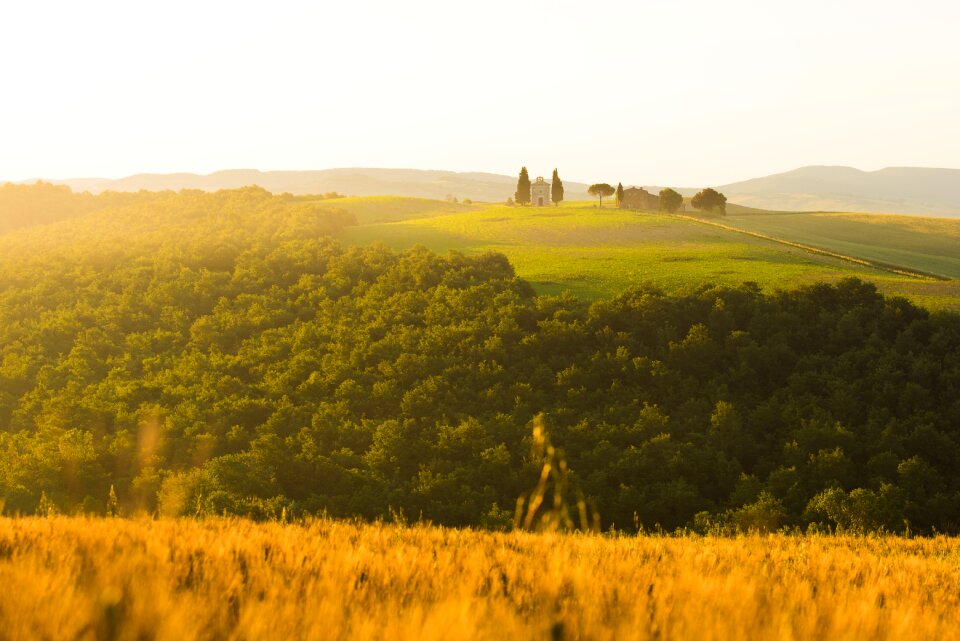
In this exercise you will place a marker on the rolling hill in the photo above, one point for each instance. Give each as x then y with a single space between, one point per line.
239 352
599 253
353 181
903 190
915 242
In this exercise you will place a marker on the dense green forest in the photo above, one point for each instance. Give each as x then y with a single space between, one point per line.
207 353
41 203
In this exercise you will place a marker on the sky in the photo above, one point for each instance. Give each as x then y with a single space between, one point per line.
666 92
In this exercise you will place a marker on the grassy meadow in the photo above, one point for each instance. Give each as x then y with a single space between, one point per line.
75 578
384 209
596 253
927 244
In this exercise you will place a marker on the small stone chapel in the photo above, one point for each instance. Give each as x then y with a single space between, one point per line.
540 193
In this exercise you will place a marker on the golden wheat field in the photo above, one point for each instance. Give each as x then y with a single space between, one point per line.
78 579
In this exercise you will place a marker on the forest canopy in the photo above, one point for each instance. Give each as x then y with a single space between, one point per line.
197 354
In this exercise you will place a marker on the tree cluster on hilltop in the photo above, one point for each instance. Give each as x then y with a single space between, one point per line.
710 200
522 195
670 200
210 353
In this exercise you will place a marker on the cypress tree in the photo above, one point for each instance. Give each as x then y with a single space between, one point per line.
619 193
556 188
522 197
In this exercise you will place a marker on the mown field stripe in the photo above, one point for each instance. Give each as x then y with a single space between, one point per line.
866 262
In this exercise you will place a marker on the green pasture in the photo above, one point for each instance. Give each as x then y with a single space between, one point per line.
382 209
596 253
927 244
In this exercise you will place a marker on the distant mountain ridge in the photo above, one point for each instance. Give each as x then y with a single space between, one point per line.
355 181
902 190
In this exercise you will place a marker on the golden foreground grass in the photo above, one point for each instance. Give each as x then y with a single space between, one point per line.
76 578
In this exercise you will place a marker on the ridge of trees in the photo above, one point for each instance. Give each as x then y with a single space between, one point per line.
42 203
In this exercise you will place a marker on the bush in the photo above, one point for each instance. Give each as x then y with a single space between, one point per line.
764 515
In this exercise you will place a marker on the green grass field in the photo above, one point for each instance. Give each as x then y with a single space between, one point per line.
383 209
927 244
597 253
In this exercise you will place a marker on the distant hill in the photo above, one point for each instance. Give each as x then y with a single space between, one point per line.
352 181
903 190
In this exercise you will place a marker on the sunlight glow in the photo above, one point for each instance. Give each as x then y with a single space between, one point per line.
682 93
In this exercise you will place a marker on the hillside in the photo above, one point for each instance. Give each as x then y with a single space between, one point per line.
195 354
598 253
908 190
931 245
353 181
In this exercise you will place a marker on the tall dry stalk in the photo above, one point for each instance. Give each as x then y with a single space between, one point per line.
546 508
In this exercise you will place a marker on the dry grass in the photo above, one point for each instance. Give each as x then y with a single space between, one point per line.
73 578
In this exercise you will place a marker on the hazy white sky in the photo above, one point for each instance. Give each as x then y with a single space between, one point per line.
676 92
